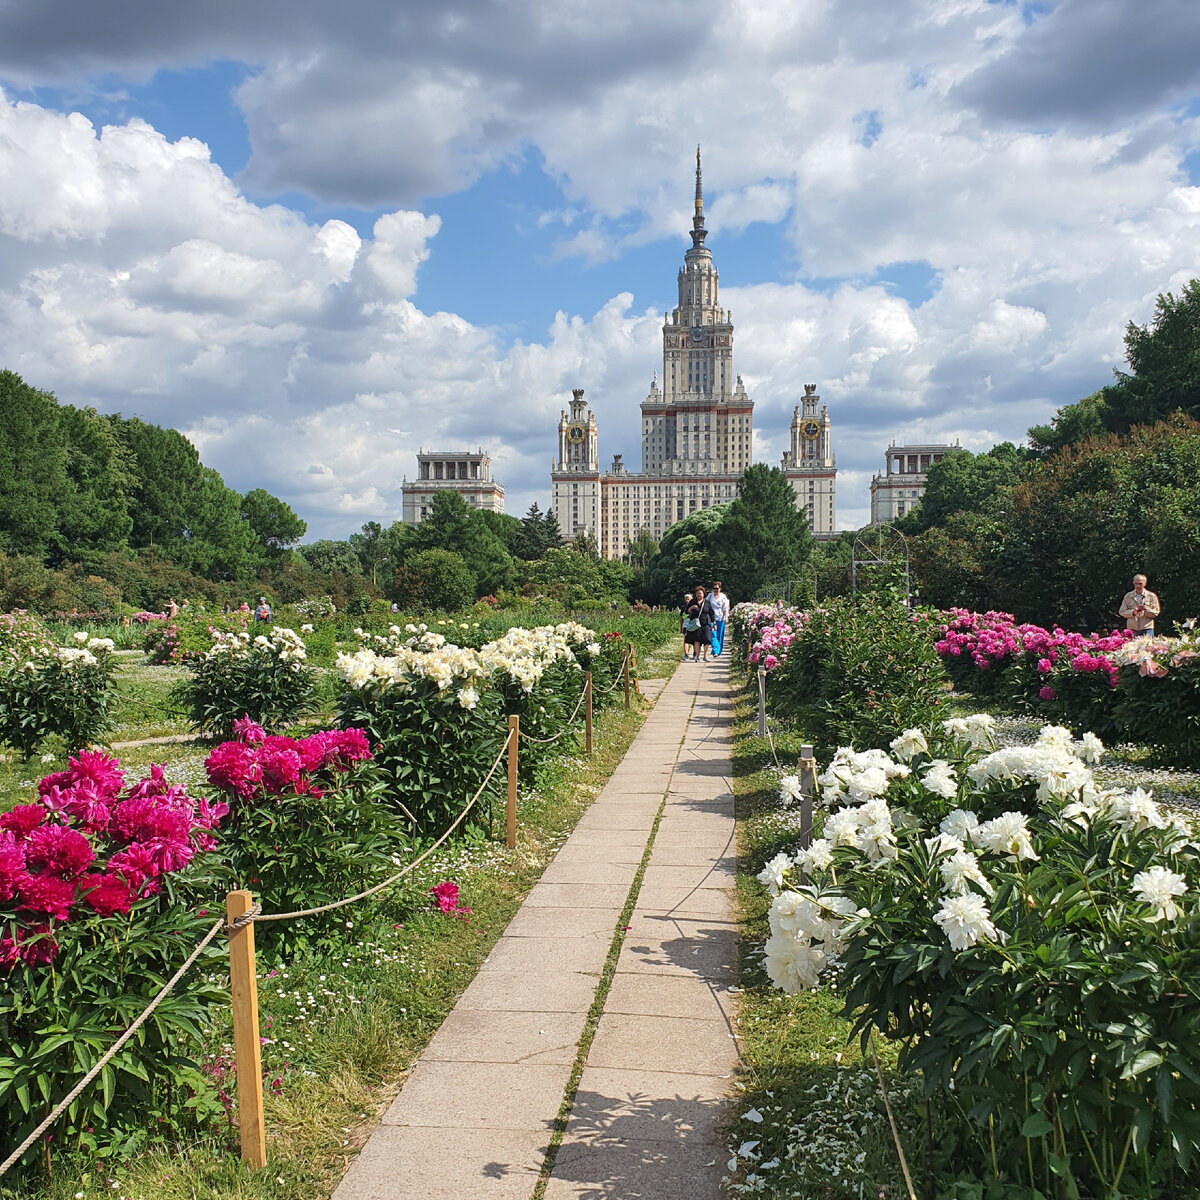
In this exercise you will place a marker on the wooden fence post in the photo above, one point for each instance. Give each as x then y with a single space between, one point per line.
243 989
587 711
625 670
514 736
762 702
808 785
633 660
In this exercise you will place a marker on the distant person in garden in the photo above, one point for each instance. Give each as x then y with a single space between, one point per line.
705 613
228 608
172 607
689 624
1140 607
263 611
244 608
720 607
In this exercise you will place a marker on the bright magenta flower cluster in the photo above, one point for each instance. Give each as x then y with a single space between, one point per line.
256 764
770 630
91 843
993 639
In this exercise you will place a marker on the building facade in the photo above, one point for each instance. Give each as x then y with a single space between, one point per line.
697 428
469 474
898 489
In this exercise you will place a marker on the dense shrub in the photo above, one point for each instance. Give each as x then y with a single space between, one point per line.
308 823
98 887
264 677
858 673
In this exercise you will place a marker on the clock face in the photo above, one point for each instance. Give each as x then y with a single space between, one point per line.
810 429
576 434
697 333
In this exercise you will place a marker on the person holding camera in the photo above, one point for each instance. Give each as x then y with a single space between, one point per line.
1139 608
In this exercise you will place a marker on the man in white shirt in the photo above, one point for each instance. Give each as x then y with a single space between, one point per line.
720 606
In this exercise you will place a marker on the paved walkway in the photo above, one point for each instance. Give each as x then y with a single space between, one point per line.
475 1117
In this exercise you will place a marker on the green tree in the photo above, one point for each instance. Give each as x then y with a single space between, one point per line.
433 580
453 525
167 474
1084 419
639 550
763 538
572 577
539 533
217 543
963 482
371 546
685 557
328 556
33 467
274 523
93 516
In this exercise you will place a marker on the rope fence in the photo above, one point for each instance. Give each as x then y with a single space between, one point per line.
239 928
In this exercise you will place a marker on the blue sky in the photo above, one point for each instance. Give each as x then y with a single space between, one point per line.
317 239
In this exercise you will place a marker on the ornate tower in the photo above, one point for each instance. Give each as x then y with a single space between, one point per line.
575 475
701 421
810 466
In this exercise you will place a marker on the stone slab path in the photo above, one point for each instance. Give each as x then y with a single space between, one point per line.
476 1116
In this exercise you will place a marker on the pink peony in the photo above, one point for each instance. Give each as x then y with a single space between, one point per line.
12 864
48 893
22 820
1046 692
106 894
62 851
34 946
248 730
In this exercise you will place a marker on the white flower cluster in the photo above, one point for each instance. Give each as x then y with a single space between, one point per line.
1057 763
525 654
284 645
806 929
406 656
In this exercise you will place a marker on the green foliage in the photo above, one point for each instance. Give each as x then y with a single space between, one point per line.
859 674
684 558
430 767
328 556
266 678
433 581
55 1023
963 482
1073 423
579 579
453 525
539 533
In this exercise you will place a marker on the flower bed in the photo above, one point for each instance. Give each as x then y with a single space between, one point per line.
1117 685
1027 941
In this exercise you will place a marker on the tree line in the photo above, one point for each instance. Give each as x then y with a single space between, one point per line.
1055 531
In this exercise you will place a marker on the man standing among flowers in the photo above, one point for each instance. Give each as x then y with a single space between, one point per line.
1139 608
720 607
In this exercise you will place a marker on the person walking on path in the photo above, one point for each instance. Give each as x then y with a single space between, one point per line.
720 607
1139 608
689 625
705 614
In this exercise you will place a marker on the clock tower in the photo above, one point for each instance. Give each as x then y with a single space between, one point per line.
575 474
810 466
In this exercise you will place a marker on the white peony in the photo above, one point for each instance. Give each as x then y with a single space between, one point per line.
1135 811
909 744
940 779
774 874
792 964
1159 887
960 824
965 920
1007 834
789 790
977 730
817 857
961 868
1089 749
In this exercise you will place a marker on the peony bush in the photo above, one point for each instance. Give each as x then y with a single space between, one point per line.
308 822
1027 938
437 711
99 885
48 690
265 677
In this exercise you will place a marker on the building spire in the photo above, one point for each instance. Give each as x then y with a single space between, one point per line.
699 233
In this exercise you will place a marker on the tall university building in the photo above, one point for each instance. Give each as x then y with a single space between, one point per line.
697 430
